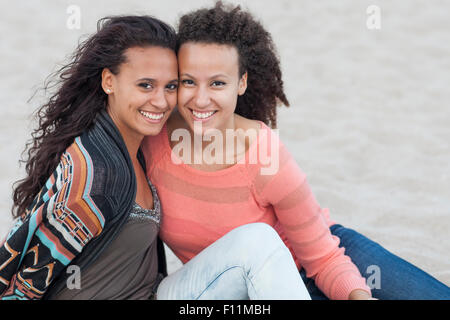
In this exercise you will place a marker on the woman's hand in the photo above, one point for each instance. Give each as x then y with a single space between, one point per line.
360 294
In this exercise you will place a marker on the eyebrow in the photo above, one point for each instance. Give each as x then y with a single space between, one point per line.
213 76
153 80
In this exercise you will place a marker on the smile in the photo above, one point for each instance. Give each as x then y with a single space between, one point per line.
154 117
203 115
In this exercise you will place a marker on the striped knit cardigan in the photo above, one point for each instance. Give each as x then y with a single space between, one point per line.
78 212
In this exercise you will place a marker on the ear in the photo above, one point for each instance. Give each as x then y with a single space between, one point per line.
107 81
243 84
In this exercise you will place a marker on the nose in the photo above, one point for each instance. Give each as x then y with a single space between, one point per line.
202 98
159 99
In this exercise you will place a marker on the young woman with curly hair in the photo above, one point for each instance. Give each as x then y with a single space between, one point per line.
230 81
86 205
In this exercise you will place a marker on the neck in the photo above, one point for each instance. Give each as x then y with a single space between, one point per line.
132 140
228 125
132 144
216 149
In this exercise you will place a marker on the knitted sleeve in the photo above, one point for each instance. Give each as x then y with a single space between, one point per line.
306 225
60 222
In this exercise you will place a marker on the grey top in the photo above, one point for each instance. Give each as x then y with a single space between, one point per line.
129 266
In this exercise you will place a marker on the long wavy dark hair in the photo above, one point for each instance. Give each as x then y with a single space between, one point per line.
80 97
229 25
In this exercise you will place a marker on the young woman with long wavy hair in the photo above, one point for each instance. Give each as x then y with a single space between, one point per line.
86 205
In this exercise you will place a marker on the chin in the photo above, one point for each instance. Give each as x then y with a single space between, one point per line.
196 125
202 128
153 131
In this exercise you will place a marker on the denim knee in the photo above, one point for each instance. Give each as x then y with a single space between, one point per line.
257 236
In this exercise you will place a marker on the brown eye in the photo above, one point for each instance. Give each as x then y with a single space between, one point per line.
145 85
187 82
172 86
218 83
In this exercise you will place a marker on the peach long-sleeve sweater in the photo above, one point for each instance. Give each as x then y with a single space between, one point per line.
199 207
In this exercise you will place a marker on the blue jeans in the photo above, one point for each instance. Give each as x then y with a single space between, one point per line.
389 277
249 262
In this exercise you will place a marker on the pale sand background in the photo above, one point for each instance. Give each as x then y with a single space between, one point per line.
369 120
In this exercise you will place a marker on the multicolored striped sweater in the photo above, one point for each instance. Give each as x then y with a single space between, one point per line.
61 221
77 213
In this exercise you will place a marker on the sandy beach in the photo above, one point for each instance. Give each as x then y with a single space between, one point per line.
369 121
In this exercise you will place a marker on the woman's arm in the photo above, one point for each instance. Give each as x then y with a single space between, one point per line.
54 244
61 221
306 227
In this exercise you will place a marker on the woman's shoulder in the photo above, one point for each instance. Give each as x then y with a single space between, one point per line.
247 130
92 181
247 124
98 169
258 132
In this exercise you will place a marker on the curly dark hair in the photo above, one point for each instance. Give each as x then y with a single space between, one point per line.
228 25
79 97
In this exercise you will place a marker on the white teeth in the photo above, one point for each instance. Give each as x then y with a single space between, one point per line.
203 115
153 116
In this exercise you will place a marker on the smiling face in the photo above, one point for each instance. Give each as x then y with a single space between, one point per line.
209 84
143 93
